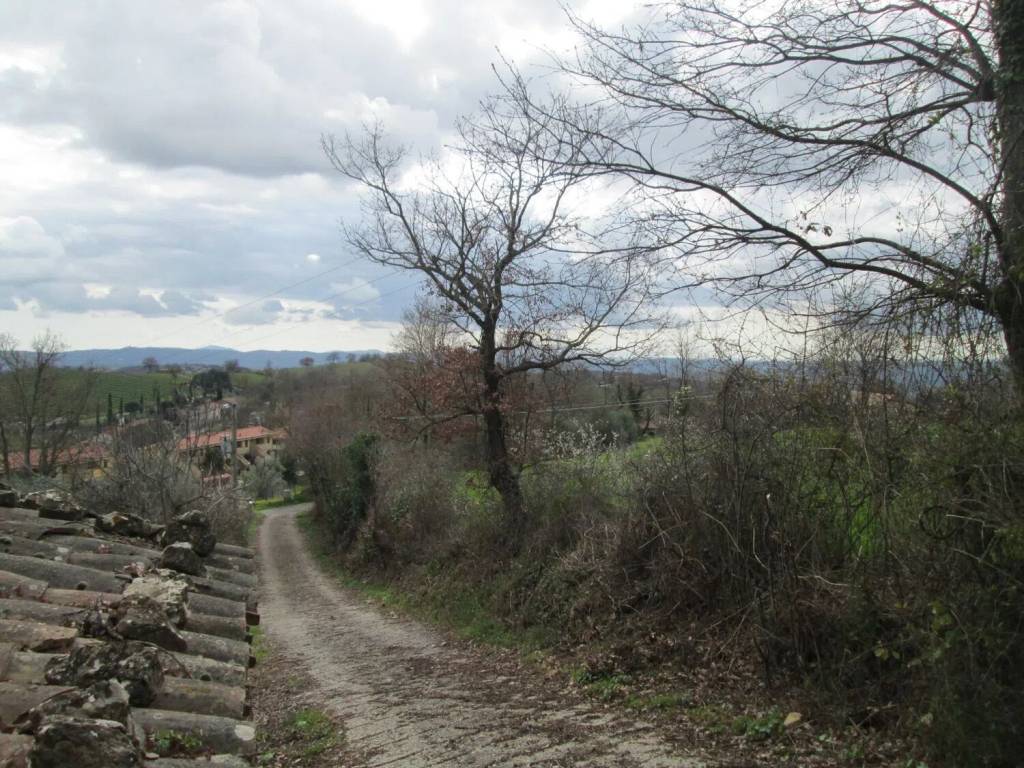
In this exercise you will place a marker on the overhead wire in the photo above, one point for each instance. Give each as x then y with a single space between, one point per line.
556 409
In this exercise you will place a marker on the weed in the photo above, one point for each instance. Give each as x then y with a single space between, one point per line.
711 717
315 729
465 609
759 728
660 702
259 644
601 686
175 743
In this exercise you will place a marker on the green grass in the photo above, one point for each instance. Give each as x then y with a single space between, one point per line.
260 507
247 379
123 387
130 386
175 743
315 730
659 702
299 496
759 727
259 644
643 447
460 608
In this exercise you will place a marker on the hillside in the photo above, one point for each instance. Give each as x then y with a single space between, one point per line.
129 357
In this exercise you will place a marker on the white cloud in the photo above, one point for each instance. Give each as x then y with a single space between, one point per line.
356 291
164 160
28 253
261 313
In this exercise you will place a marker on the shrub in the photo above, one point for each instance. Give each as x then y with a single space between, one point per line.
344 489
873 547
264 479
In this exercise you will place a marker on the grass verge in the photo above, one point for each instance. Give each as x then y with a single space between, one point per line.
459 608
315 730
260 507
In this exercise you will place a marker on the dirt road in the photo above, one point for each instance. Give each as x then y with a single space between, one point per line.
409 699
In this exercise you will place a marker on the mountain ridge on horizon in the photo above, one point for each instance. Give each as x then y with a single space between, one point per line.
132 357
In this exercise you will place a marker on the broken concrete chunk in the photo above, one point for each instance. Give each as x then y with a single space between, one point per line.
105 700
16 585
8 496
18 698
54 504
192 527
14 749
37 636
168 588
63 741
138 667
143 618
181 557
125 524
217 734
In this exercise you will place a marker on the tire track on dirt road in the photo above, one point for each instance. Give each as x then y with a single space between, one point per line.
408 700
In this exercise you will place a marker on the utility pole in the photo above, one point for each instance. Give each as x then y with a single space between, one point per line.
234 445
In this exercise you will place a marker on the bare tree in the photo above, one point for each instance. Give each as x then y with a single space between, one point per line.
152 471
426 332
514 269
776 147
42 407
430 375
151 364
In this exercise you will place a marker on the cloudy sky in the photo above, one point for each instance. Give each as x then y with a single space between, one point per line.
161 161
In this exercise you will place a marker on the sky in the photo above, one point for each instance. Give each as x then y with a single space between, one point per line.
161 161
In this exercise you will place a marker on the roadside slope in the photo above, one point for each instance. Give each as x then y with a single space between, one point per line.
408 699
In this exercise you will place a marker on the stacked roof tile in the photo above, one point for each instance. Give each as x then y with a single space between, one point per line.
122 643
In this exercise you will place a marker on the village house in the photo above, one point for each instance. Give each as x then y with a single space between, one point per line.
253 443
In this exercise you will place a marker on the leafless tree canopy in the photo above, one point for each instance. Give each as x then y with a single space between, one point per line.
758 138
521 277
40 409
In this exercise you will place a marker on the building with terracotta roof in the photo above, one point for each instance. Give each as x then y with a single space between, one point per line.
253 443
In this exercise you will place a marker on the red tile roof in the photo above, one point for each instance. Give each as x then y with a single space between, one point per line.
77 454
216 438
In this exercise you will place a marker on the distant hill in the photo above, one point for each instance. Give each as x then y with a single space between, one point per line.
132 357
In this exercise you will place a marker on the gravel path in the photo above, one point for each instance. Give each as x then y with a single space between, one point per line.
409 699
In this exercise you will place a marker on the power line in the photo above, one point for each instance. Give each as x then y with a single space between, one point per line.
556 409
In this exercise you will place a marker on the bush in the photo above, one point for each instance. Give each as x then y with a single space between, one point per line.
264 479
344 487
148 476
871 546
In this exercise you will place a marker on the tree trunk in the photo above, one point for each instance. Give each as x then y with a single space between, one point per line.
1008 16
5 450
27 451
502 474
